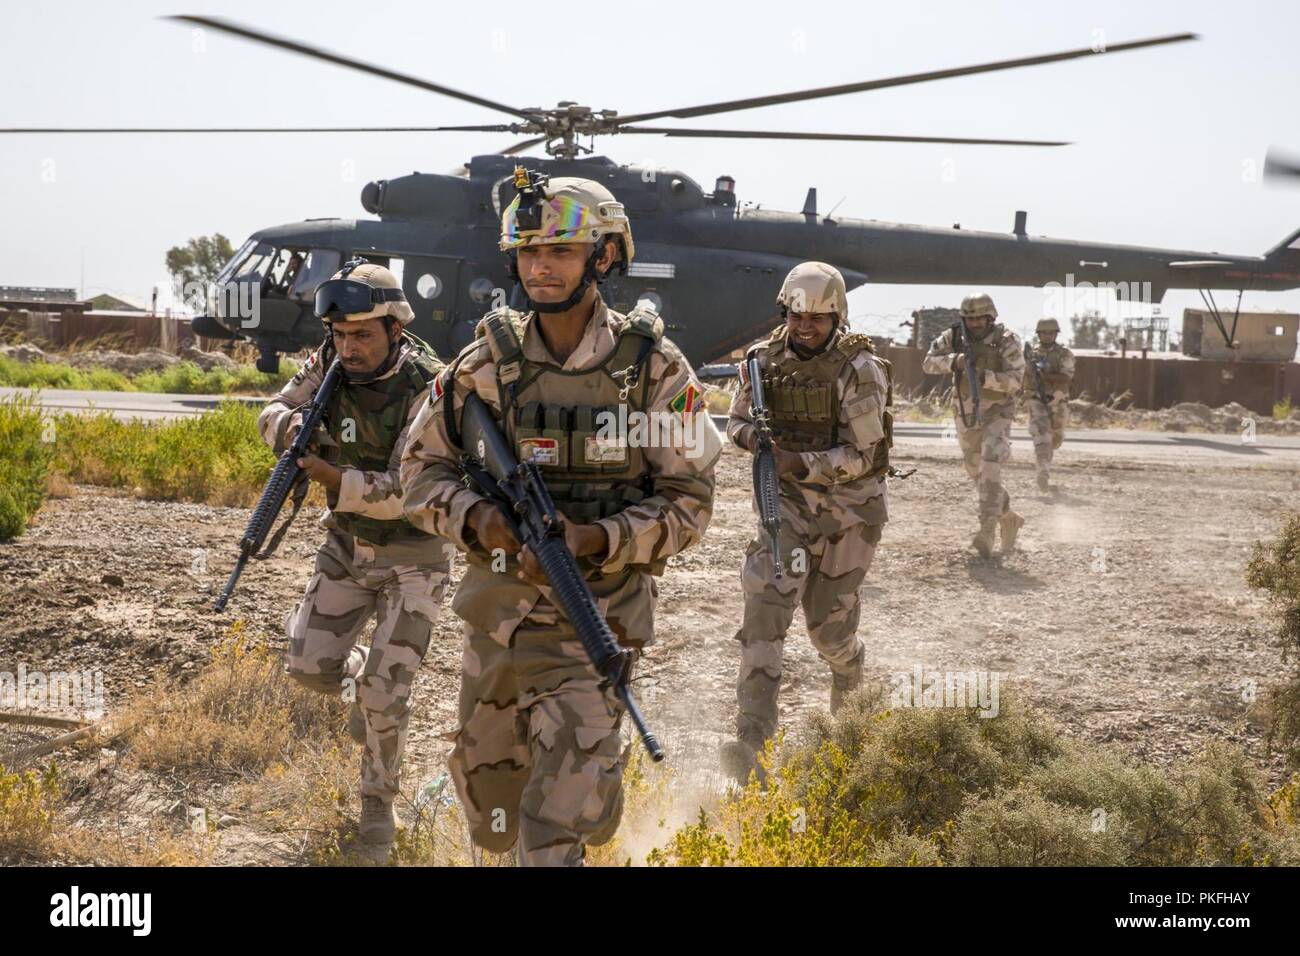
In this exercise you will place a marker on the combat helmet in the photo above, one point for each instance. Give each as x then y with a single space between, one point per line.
565 209
980 303
359 291
813 287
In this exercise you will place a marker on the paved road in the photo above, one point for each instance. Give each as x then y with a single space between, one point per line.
144 405
1273 449
1117 442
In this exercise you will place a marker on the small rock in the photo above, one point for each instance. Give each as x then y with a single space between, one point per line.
226 820
114 580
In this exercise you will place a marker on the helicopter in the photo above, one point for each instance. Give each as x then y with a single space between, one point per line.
707 263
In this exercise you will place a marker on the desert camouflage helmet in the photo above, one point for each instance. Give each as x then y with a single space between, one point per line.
343 297
568 209
981 303
1047 325
813 287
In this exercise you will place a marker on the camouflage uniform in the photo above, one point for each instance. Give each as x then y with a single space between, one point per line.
831 409
373 562
1001 362
538 758
1047 422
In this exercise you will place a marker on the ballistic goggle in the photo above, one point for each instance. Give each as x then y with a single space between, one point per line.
342 297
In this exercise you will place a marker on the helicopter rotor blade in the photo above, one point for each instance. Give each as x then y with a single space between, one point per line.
293 46
522 145
854 137
777 98
1279 166
519 147
254 129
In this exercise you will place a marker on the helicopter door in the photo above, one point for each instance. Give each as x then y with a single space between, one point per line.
432 287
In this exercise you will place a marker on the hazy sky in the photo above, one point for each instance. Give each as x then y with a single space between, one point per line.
1169 141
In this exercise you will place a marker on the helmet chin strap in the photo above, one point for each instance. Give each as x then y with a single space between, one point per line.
589 275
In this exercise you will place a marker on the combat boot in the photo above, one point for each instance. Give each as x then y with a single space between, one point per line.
1043 485
357 723
844 684
376 829
739 759
983 540
1010 527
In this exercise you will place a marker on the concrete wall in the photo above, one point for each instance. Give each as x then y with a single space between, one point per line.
1256 332
1151 383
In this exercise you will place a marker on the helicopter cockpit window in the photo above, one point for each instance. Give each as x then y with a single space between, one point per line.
318 266
256 264
283 269
236 261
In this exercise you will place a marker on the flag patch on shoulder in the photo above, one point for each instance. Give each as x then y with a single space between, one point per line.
688 401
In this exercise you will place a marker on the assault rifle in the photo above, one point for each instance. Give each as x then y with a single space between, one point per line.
961 342
767 488
518 491
287 478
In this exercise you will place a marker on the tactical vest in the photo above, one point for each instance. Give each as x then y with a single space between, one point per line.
988 357
1054 354
803 395
569 423
378 412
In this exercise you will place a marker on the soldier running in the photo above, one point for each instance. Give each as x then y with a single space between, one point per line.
985 444
373 563
827 395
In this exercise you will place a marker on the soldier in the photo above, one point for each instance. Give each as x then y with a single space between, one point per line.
986 444
827 396
373 561
538 759
1055 368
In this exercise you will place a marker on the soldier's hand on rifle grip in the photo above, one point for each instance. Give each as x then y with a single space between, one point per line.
322 472
582 540
958 362
787 462
491 528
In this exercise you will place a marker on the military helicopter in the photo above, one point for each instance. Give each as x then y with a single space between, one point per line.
710 265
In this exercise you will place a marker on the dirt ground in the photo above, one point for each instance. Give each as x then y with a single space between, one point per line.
1123 615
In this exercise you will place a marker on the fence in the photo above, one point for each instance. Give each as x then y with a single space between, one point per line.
1151 383
61 329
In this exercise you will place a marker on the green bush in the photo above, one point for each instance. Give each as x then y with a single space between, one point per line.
17 374
216 457
24 464
933 786
1275 568
184 378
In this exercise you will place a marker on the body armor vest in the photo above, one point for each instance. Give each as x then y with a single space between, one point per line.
803 395
573 424
378 412
1054 355
988 356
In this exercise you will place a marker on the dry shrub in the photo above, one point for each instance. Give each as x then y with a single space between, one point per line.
1275 568
935 786
240 714
29 805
